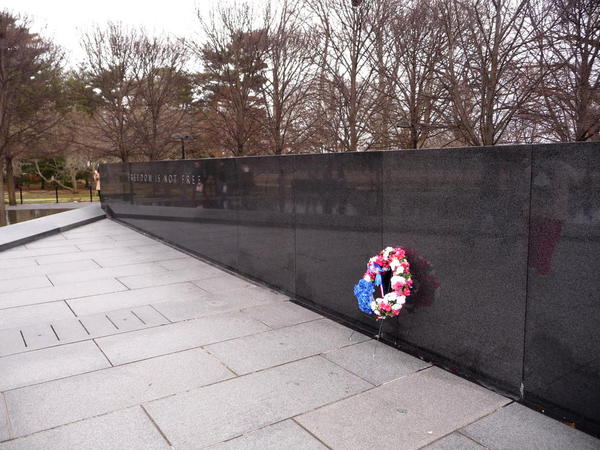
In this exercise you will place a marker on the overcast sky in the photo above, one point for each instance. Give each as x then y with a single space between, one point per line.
64 20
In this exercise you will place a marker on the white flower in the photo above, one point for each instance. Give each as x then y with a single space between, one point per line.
373 305
397 306
376 311
367 278
398 279
394 264
401 299
390 297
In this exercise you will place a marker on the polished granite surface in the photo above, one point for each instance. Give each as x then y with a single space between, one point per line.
463 214
562 347
501 240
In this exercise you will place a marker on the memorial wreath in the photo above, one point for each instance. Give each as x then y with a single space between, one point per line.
383 289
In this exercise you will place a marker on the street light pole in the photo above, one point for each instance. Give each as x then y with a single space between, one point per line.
182 137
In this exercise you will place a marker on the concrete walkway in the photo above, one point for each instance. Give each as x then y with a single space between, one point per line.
111 340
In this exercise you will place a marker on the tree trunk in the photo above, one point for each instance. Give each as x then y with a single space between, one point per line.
2 206
74 182
10 182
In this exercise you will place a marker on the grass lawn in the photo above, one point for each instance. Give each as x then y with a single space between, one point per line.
49 196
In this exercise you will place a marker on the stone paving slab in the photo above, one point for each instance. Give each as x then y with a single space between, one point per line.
260 351
111 243
102 227
168 277
124 234
57 240
11 341
185 309
20 284
283 435
125 320
98 273
39 336
250 293
222 282
70 330
519 427
376 362
121 320
225 410
284 314
153 246
94 237
183 262
456 441
33 270
410 412
119 254
47 405
133 298
129 258
29 315
150 342
17 263
49 364
5 427
59 332
56 293
49 241
192 308
28 253
129 429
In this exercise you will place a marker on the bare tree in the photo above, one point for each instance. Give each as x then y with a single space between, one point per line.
68 148
487 73
568 97
347 74
287 89
413 51
162 94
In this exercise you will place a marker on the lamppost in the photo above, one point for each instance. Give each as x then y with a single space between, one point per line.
182 138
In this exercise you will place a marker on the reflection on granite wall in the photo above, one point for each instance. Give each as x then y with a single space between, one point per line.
502 241
562 347
465 212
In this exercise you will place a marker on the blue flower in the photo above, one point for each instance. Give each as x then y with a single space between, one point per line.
364 294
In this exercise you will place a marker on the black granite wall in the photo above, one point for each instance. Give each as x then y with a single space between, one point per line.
504 243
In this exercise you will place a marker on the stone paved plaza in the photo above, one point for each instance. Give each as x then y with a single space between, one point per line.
112 340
